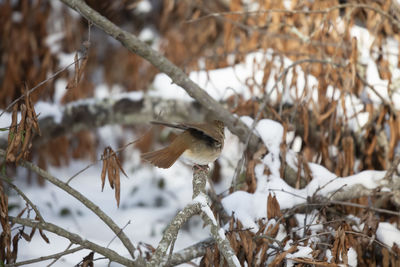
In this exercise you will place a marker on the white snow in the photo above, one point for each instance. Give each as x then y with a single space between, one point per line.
352 257
147 35
46 109
302 252
143 6
388 234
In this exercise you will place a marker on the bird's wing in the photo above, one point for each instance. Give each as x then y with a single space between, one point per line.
204 128
177 126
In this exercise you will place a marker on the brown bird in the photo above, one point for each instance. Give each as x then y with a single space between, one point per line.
199 143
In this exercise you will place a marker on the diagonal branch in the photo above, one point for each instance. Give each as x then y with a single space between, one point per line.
133 44
19 192
171 232
189 253
110 254
85 201
200 205
45 258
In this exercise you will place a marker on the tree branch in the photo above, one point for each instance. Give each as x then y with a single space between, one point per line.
198 206
85 201
200 196
171 232
45 258
188 253
133 44
19 192
110 254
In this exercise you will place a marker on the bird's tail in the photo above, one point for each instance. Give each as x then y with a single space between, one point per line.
163 158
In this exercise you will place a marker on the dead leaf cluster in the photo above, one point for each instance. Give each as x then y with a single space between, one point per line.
21 133
111 169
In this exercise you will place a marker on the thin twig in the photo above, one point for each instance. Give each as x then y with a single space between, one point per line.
27 200
110 254
39 85
373 239
171 232
115 236
45 258
101 158
350 204
188 253
59 256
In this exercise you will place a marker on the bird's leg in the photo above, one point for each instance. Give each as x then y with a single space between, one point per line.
200 167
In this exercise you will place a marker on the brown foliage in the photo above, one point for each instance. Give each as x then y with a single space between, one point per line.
23 41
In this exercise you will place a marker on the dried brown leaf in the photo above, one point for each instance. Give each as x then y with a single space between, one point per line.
44 236
305 119
394 131
13 126
14 252
385 258
73 82
280 257
112 167
111 172
88 260
117 186
104 169
119 165
27 139
25 236
244 242
33 231
31 112
273 207
5 238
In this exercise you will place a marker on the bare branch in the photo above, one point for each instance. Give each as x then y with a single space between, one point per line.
133 44
27 200
171 232
85 201
110 254
49 257
198 206
188 253
199 196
